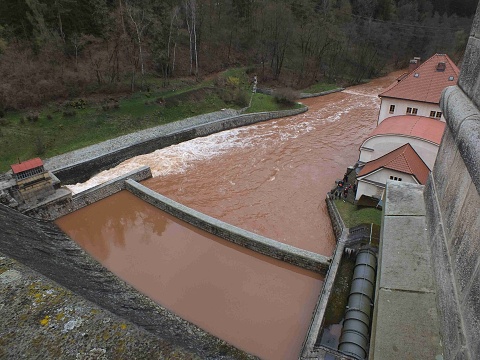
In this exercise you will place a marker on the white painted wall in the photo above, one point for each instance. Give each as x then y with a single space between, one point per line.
383 144
381 176
401 108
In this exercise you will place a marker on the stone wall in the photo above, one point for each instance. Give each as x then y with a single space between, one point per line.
54 210
292 255
86 168
453 202
337 222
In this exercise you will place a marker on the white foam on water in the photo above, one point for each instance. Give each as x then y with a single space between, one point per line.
178 158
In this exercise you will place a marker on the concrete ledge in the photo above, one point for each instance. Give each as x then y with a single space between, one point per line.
405 323
323 93
54 210
263 245
309 350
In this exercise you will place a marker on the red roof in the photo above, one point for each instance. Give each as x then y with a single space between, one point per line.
413 126
426 83
26 165
404 159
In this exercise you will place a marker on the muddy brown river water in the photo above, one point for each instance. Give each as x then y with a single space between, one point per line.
270 178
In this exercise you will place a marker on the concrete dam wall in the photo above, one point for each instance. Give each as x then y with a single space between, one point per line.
42 246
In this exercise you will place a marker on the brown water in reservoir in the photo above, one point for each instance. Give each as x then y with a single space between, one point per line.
259 304
270 178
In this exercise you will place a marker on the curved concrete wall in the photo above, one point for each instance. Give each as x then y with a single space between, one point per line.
292 255
85 169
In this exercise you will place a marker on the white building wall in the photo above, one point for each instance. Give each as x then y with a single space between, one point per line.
401 105
383 144
381 176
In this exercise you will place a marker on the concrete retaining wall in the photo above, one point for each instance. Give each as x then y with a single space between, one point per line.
53 211
292 255
453 201
337 223
85 169
303 95
323 93
44 248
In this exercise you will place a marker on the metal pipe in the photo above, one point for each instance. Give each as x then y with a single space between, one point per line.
356 325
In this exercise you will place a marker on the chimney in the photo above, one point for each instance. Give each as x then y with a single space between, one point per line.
414 63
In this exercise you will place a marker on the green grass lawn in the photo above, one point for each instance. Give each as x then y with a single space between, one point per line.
353 216
319 87
262 102
63 128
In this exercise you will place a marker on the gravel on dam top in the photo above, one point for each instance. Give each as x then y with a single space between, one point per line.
93 151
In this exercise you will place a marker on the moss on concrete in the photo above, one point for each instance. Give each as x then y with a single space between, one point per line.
42 320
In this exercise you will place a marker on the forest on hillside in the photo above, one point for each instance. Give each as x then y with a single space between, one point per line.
59 49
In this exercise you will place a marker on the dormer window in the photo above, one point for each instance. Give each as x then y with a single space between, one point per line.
451 78
416 75
441 66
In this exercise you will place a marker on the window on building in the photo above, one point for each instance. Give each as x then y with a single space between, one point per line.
392 109
399 179
414 111
433 113
438 115
409 110
395 178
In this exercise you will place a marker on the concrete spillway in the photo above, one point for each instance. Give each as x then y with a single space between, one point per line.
356 326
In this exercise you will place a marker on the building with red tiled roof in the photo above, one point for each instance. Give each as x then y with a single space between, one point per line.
27 165
422 133
32 180
419 91
402 164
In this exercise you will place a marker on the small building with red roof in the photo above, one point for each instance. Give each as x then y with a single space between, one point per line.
402 164
33 182
422 133
419 91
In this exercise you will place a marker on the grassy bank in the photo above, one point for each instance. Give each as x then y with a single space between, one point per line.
353 215
319 87
61 127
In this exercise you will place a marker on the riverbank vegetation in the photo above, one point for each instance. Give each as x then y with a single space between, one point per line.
64 126
63 49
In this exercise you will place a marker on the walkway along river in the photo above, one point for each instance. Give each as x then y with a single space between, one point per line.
270 178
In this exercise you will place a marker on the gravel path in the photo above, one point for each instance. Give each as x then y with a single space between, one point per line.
93 151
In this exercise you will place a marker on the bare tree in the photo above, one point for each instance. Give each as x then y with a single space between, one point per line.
191 19
140 22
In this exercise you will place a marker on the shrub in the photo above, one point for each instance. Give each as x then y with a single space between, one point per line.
240 98
39 146
69 113
32 117
78 104
285 96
